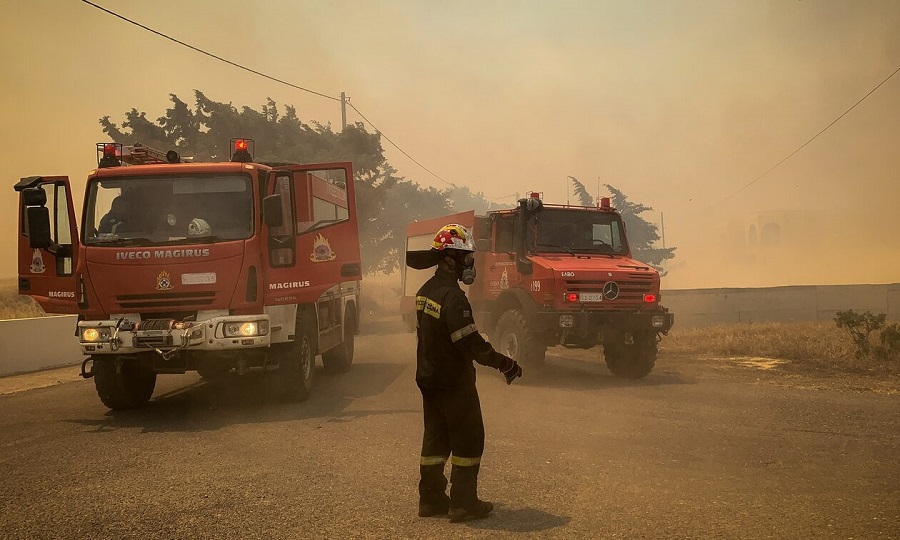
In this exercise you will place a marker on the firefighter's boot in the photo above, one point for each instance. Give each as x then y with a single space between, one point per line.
464 501
433 499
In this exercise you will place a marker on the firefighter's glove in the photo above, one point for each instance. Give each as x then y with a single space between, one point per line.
513 370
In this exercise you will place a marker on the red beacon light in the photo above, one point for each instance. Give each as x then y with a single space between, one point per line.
242 150
604 203
108 154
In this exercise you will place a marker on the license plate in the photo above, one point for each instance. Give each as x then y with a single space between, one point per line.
590 297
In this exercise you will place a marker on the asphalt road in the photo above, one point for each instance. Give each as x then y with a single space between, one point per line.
699 449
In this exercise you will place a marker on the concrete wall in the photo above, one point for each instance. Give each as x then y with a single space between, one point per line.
34 344
701 307
40 343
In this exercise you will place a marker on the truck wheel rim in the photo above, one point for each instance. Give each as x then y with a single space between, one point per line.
511 345
305 366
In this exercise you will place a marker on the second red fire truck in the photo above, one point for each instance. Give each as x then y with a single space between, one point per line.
554 275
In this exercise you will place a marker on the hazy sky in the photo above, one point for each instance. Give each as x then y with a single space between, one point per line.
679 104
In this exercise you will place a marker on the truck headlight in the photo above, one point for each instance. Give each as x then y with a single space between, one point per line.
93 335
657 321
246 329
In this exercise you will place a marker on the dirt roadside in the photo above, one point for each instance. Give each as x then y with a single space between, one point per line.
20 382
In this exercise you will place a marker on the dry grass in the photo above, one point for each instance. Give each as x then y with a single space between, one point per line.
14 306
819 346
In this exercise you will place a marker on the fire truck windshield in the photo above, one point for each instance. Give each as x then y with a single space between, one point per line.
167 210
579 231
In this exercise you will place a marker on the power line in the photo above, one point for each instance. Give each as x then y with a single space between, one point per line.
211 55
451 184
255 72
814 137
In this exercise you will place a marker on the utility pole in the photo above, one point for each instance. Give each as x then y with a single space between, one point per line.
662 224
343 111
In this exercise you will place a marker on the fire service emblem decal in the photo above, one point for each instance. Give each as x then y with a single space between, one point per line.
163 281
504 280
321 250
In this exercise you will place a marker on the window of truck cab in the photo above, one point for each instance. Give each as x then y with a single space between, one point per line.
168 210
563 230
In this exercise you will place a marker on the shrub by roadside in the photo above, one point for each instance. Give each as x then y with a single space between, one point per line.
14 306
808 346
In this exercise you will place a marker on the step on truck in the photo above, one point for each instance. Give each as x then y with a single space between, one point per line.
554 275
220 268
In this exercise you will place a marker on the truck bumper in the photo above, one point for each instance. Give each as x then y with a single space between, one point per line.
658 321
167 336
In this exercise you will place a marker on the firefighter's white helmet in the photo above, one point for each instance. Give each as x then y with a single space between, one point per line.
199 227
453 236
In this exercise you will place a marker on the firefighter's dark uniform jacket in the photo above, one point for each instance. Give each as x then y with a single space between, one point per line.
448 343
448 339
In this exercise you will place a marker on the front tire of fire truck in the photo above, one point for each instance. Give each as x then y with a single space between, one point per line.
122 382
297 362
340 358
634 360
513 337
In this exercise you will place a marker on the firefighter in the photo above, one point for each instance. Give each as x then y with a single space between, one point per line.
448 342
117 217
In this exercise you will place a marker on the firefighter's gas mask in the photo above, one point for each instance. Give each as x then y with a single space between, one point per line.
464 266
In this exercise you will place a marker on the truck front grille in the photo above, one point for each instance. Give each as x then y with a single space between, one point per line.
631 290
165 300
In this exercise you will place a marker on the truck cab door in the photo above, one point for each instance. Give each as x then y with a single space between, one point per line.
48 243
316 246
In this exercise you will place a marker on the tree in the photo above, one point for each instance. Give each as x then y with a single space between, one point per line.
581 192
462 199
385 202
642 235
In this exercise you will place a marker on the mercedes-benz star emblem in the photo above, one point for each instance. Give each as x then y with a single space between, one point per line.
611 290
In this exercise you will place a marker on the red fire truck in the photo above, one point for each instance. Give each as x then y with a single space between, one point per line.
555 275
214 267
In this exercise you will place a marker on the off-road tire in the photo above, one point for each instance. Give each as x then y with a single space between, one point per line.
340 358
630 360
297 362
514 338
126 386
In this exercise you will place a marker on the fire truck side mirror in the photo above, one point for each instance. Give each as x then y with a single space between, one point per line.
272 214
38 227
524 266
